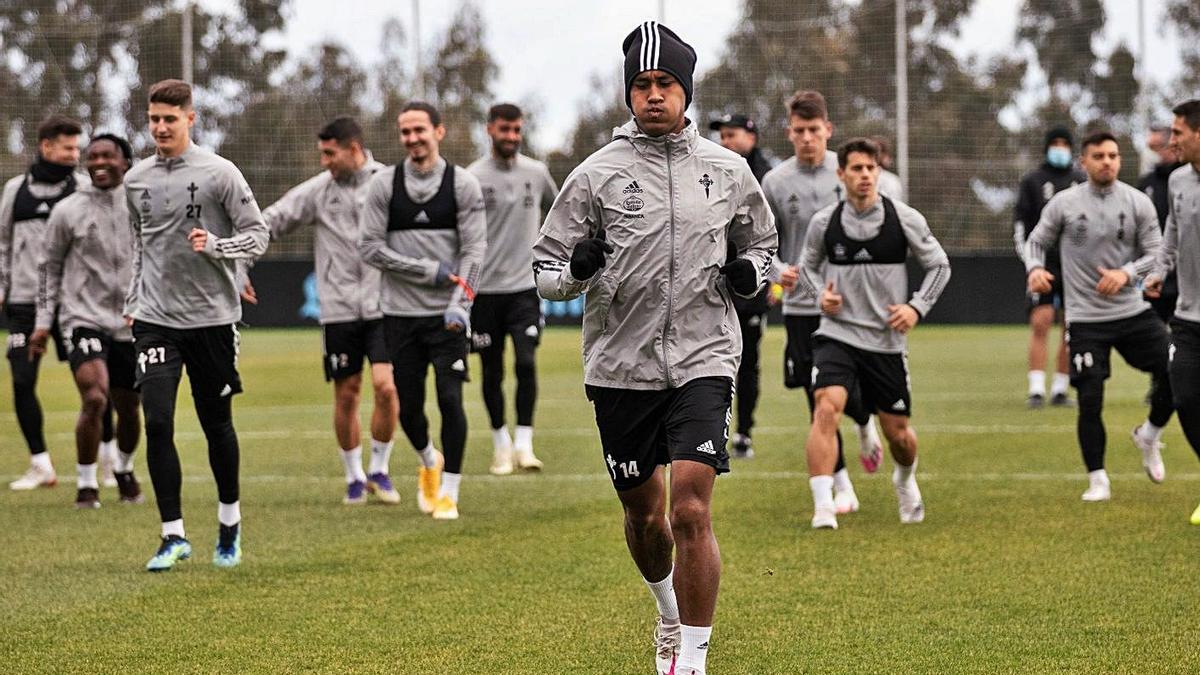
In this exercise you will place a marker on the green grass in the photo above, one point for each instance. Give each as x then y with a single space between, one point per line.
1011 572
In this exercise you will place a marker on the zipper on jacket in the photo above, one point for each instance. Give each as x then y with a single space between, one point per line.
670 267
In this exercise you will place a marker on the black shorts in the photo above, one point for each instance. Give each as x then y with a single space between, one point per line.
495 315
798 353
88 344
639 429
21 322
210 355
416 342
1141 340
345 345
882 379
1054 298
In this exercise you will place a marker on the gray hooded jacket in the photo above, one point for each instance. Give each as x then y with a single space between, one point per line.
658 315
1181 242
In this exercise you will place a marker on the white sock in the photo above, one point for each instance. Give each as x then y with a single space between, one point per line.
869 431
108 451
174 527
1060 385
229 514
381 452
1149 431
524 439
352 463
87 476
450 483
1037 382
124 463
501 442
42 461
822 491
841 482
693 648
1098 477
664 596
428 456
903 474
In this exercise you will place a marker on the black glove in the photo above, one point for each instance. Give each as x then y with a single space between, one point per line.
741 276
588 256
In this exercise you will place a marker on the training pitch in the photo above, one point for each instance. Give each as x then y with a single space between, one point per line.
1010 572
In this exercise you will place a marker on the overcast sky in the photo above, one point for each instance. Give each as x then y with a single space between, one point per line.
548 48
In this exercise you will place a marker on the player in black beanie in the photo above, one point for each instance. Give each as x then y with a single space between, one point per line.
652 46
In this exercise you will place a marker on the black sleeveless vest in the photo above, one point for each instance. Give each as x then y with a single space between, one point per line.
889 247
28 207
439 213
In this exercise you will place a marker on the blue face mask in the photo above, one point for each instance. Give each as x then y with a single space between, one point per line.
1058 157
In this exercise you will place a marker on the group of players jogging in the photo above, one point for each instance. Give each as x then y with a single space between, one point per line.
138 271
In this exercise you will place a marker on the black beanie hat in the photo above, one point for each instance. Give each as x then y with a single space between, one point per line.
1058 132
652 46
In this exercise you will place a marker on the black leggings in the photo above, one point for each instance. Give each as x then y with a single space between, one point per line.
25 400
749 371
1185 378
216 419
1090 425
492 361
411 392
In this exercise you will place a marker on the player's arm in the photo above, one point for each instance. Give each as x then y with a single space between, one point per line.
135 282
1168 254
1149 239
811 281
1024 215
779 269
752 232
250 234
373 245
573 222
472 240
1043 237
7 202
56 243
932 257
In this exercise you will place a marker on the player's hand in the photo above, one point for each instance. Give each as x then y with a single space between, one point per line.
248 293
741 276
831 301
1040 280
902 318
457 319
789 278
199 238
1152 287
128 321
588 256
37 343
1111 281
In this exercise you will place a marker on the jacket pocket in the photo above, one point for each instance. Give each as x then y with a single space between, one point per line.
599 303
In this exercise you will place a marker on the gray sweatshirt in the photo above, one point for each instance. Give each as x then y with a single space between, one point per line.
1111 227
1181 241
172 285
516 193
658 315
20 242
868 289
795 191
410 258
86 263
347 286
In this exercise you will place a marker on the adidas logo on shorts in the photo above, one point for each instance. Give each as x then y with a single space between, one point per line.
707 448
458 366
899 405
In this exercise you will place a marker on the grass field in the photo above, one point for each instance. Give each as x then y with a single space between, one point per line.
1010 572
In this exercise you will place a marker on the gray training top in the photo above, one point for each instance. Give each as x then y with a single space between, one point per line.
1181 241
515 192
172 285
868 289
86 263
409 258
795 191
21 241
347 286
1111 227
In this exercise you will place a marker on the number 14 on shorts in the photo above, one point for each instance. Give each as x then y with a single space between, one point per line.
627 468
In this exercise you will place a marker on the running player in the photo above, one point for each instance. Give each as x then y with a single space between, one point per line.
423 223
795 190
517 190
1181 252
25 205
1156 184
854 261
1037 187
642 227
1108 236
348 288
193 215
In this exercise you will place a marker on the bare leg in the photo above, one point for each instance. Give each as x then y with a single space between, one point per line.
387 405
822 445
697 557
647 532
91 378
346 395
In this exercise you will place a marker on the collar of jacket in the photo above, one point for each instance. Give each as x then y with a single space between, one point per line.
683 142
1102 191
92 191
364 172
190 151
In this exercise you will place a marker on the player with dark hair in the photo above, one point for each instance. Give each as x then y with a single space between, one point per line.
1108 237
25 206
517 190
348 288
86 263
423 223
193 216
854 260
642 227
